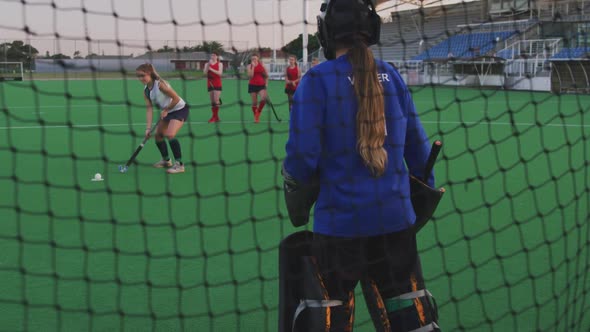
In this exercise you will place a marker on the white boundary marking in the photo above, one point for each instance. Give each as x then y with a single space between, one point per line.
96 106
467 123
518 103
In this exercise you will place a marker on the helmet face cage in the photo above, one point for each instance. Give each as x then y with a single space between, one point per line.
341 18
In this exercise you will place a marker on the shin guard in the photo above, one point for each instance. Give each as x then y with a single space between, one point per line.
411 312
415 311
304 303
376 306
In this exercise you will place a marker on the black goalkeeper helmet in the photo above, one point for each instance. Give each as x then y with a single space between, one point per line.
340 19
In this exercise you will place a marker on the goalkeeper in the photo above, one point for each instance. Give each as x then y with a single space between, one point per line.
353 129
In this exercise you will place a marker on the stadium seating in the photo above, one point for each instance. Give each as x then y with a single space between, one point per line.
411 32
465 45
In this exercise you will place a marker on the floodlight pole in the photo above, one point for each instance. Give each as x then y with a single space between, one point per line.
274 39
304 32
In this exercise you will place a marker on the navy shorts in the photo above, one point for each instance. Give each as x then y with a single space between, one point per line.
213 89
255 88
180 115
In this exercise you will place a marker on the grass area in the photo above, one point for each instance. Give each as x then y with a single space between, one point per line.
508 249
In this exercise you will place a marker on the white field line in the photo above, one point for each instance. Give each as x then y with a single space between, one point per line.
106 105
70 106
467 123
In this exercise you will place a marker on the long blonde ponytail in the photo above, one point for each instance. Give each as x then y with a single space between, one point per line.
370 118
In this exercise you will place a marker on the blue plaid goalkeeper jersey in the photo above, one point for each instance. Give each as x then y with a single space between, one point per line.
322 142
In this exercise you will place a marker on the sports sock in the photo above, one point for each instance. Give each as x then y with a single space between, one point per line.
261 106
163 149
175 146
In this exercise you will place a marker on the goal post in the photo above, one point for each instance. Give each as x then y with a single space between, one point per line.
475 72
11 71
482 71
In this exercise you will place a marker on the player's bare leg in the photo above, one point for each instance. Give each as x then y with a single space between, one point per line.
262 94
214 97
254 97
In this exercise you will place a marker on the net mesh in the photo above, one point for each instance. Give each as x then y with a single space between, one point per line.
147 251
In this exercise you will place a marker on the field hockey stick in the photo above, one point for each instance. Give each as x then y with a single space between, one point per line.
272 107
434 151
424 198
124 168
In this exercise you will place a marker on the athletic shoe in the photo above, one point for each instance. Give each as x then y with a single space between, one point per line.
176 168
163 164
257 117
213 119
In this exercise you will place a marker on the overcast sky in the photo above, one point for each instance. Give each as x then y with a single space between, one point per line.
111 20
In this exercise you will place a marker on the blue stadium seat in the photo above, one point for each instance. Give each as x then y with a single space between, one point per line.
572 53
464 45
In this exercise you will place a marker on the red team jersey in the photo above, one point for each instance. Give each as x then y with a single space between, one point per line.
292 75
214 79
259 77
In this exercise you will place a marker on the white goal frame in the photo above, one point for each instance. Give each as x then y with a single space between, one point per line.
12 78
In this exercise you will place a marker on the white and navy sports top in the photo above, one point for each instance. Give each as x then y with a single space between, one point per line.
160 100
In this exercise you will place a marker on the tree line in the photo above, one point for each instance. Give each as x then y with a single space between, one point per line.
19 51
